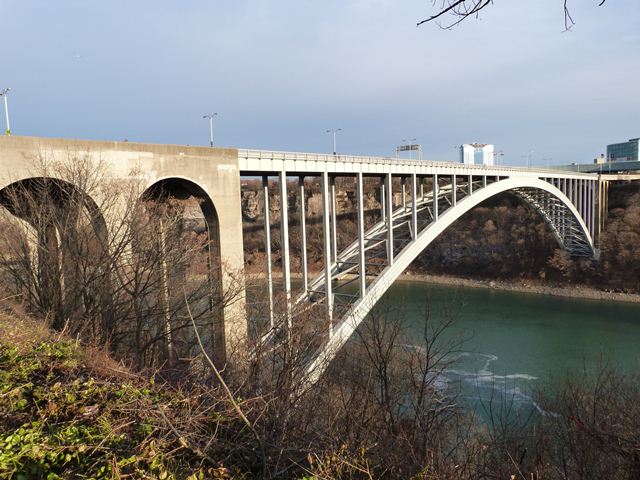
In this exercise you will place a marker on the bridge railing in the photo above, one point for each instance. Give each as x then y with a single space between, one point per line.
325 157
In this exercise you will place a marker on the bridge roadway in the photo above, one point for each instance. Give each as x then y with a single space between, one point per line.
433 196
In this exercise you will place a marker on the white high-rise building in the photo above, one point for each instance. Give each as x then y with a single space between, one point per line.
477 154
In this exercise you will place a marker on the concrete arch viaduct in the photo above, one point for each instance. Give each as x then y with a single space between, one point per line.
432 196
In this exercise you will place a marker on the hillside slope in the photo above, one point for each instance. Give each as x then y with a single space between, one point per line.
73 412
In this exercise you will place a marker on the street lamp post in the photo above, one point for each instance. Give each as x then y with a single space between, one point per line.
3 94
334 131
210 117
529 158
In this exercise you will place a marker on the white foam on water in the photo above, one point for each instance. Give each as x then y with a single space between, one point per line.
485 379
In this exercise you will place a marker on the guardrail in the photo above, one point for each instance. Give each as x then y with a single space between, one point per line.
324 157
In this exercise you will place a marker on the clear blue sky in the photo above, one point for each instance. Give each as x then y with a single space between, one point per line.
281 72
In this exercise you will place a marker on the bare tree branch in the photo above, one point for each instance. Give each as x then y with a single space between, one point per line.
463 9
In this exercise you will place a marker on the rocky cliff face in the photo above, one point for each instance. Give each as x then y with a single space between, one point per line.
253 203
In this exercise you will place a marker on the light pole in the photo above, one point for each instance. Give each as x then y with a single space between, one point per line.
496 157
529 157
334 131
210 117
548 160
3 94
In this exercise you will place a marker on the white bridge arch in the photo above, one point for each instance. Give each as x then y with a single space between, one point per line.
548 200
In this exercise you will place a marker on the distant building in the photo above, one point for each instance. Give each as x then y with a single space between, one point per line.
477 154
624 152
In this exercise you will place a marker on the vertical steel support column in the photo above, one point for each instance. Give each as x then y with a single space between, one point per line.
590 207
383 201
267 246
581 197
284 232
390 218
605 214
421 188
497 178
403 181
414 206
605 204
303 236
577 195
326 247
587 209
569 194
454 190
435 197
470 184
334 224
484 180
361 260
600 189
594 185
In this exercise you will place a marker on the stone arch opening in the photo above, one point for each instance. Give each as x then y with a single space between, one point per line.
54 253
182 227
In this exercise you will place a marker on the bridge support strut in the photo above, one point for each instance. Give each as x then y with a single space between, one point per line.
267 246
326 254
284 234
361 257
303 236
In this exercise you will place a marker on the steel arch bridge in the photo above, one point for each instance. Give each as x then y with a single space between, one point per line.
379 254
418 201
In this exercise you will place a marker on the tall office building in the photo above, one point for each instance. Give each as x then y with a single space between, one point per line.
624 152
477 154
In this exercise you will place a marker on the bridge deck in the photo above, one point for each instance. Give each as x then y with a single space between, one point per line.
260 162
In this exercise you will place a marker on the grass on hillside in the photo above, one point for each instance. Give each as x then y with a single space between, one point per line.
72 412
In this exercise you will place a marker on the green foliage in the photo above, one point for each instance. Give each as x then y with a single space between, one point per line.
59 421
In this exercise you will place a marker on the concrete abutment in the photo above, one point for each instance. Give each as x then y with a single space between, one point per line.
213 172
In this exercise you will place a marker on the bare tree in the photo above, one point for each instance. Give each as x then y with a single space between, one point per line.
462 9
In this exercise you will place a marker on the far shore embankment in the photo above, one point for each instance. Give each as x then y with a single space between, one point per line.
520 286
526 286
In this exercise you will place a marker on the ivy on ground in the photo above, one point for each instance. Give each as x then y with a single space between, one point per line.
59 421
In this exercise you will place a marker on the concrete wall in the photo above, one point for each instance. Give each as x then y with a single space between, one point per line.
215 170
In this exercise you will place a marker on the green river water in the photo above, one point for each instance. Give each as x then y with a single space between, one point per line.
514 342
